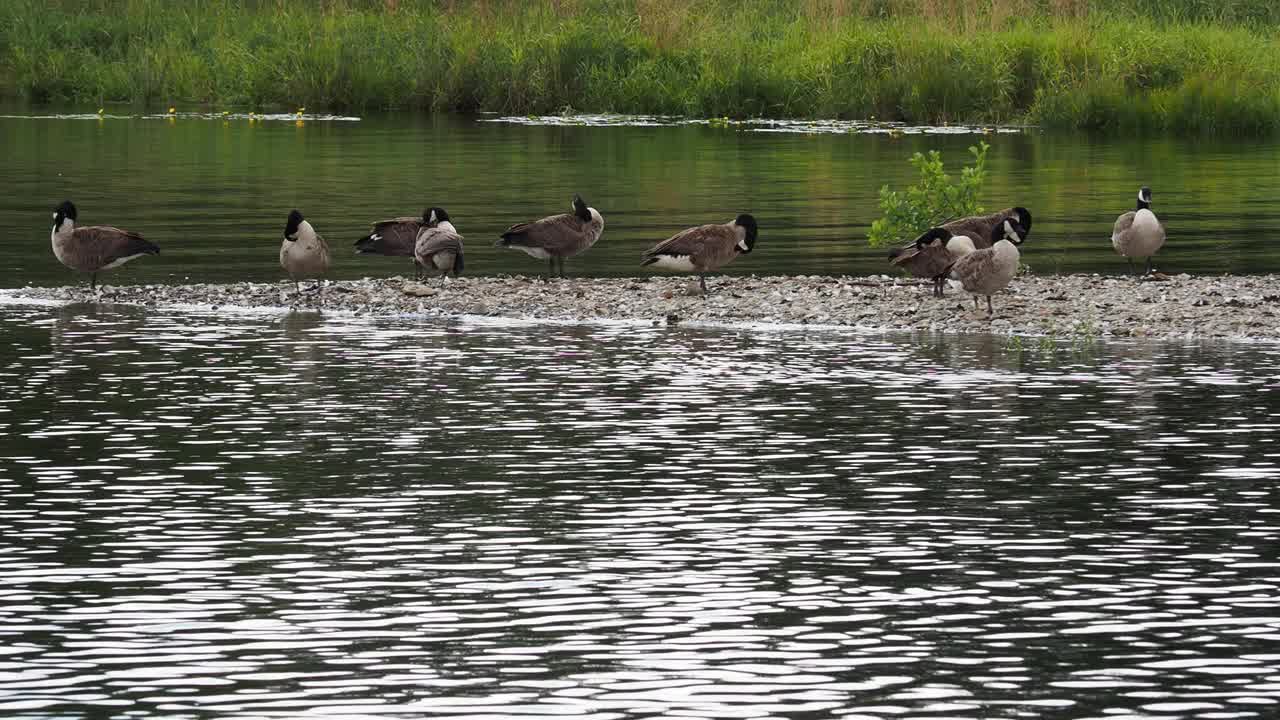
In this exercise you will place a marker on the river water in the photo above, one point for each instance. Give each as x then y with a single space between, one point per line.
289 515
214 192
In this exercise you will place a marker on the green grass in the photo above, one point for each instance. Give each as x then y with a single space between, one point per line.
1193 66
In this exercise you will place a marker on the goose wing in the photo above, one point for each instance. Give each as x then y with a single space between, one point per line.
102 246
432 240
973 267
928 262
1123 223
557 234
701 241
391 237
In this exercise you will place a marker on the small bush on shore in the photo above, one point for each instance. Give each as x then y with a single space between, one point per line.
932 201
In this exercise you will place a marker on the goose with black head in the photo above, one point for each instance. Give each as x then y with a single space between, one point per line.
1138 233
704 248
303 253
931 254
982 227
94 248
439 246
556 237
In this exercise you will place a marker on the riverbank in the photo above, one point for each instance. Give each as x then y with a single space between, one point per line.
1113 65
1066 307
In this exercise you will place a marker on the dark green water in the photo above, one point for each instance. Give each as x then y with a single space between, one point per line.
294 515
214 194
304 515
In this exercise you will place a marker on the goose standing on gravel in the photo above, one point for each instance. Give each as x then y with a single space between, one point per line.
439 246
303 254
1138 233
396 238
932 254
704 248
94 248
988 270
556 237
982 227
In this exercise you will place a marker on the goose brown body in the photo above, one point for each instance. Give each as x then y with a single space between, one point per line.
704 248
556 237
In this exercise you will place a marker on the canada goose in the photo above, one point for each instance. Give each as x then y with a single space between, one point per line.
94 248
931 254
395 237
982 227
439 245
303 254
988 270
703 248
556 237
1138 233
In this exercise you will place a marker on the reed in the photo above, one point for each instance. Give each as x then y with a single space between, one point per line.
1115 65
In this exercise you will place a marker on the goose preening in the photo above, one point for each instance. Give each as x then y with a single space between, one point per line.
987 271
396 238
1138 233
556 237
982 227
303 253
932 254
703 248
94 248
439 245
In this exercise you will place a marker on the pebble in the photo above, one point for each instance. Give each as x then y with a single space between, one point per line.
1180 307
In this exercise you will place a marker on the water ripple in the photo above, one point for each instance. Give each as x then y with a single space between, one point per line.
306 516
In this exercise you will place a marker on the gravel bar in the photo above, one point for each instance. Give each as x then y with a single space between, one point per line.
1179 307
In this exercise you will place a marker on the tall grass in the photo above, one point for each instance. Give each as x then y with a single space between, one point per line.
1123 65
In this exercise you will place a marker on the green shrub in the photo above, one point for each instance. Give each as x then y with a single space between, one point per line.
932 201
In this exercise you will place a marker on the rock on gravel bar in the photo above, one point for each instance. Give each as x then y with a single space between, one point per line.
1184 307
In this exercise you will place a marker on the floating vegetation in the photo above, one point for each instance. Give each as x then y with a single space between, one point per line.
218 115
590 120
762 125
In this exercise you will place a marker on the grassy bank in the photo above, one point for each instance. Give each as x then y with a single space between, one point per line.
1195 66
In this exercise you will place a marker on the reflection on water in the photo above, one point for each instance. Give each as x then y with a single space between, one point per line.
299 514
213 192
